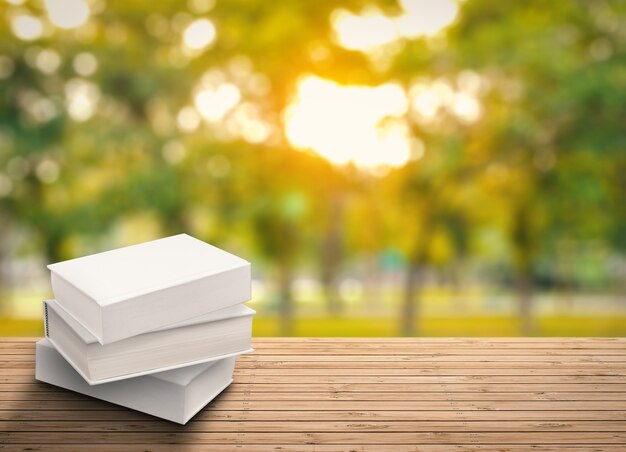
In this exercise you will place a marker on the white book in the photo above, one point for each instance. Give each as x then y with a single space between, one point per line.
210 337
175 395
128 291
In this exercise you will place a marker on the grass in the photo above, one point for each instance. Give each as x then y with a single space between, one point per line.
21 327
476 326
485 326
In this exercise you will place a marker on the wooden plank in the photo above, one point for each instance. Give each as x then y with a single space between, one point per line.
393 365
291 373
365 364
328 426
450 388
435 358
356 394
511 378
345 349
419 379
319 396
403 380
432 358
469 437
372 371
422 351
251 404
113 412
321 447
408 349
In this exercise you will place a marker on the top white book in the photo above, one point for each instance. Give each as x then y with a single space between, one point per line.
132 290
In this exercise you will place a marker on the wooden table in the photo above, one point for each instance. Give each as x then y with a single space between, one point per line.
354 394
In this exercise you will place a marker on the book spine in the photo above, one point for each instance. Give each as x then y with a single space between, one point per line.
45 318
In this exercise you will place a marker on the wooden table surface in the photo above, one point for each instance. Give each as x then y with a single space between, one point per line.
353 394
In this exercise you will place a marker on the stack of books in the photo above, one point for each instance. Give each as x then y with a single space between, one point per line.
155 327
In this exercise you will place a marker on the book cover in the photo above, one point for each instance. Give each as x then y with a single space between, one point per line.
211 337
175 395
128 291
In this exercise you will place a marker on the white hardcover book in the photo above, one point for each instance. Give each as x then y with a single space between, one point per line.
175 395
127 291
210 337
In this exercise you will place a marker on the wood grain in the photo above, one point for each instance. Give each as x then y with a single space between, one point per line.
326 394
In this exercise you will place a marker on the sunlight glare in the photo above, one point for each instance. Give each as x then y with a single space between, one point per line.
363 32
81 98
85 64
247 122
174 152
214 103
47 61
429 99
466 107
425 101
199 34
359 124
425 17
27 27
48 171
188 119
67 14
371 29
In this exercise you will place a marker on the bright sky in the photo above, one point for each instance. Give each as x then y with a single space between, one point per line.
368 125
371 29
345 123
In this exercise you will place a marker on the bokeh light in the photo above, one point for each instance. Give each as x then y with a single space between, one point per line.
27 27
365 32
371 29
199 34
85 64
425 17
458 153
81 99
213 103
67 14
359 124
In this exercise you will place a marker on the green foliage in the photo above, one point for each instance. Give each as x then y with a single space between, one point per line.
520 190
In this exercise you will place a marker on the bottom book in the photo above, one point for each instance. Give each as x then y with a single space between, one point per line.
176 395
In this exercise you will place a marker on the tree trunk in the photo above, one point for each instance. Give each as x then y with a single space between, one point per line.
331 260
459 302
524 247
411 299
524 291
285 299
5 302
53 243
371 283
5 238
174 220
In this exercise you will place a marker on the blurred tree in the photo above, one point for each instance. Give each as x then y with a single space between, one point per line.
433 220
279 218
130 115
331 193
553 106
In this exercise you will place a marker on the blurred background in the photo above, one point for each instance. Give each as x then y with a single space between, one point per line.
401 167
